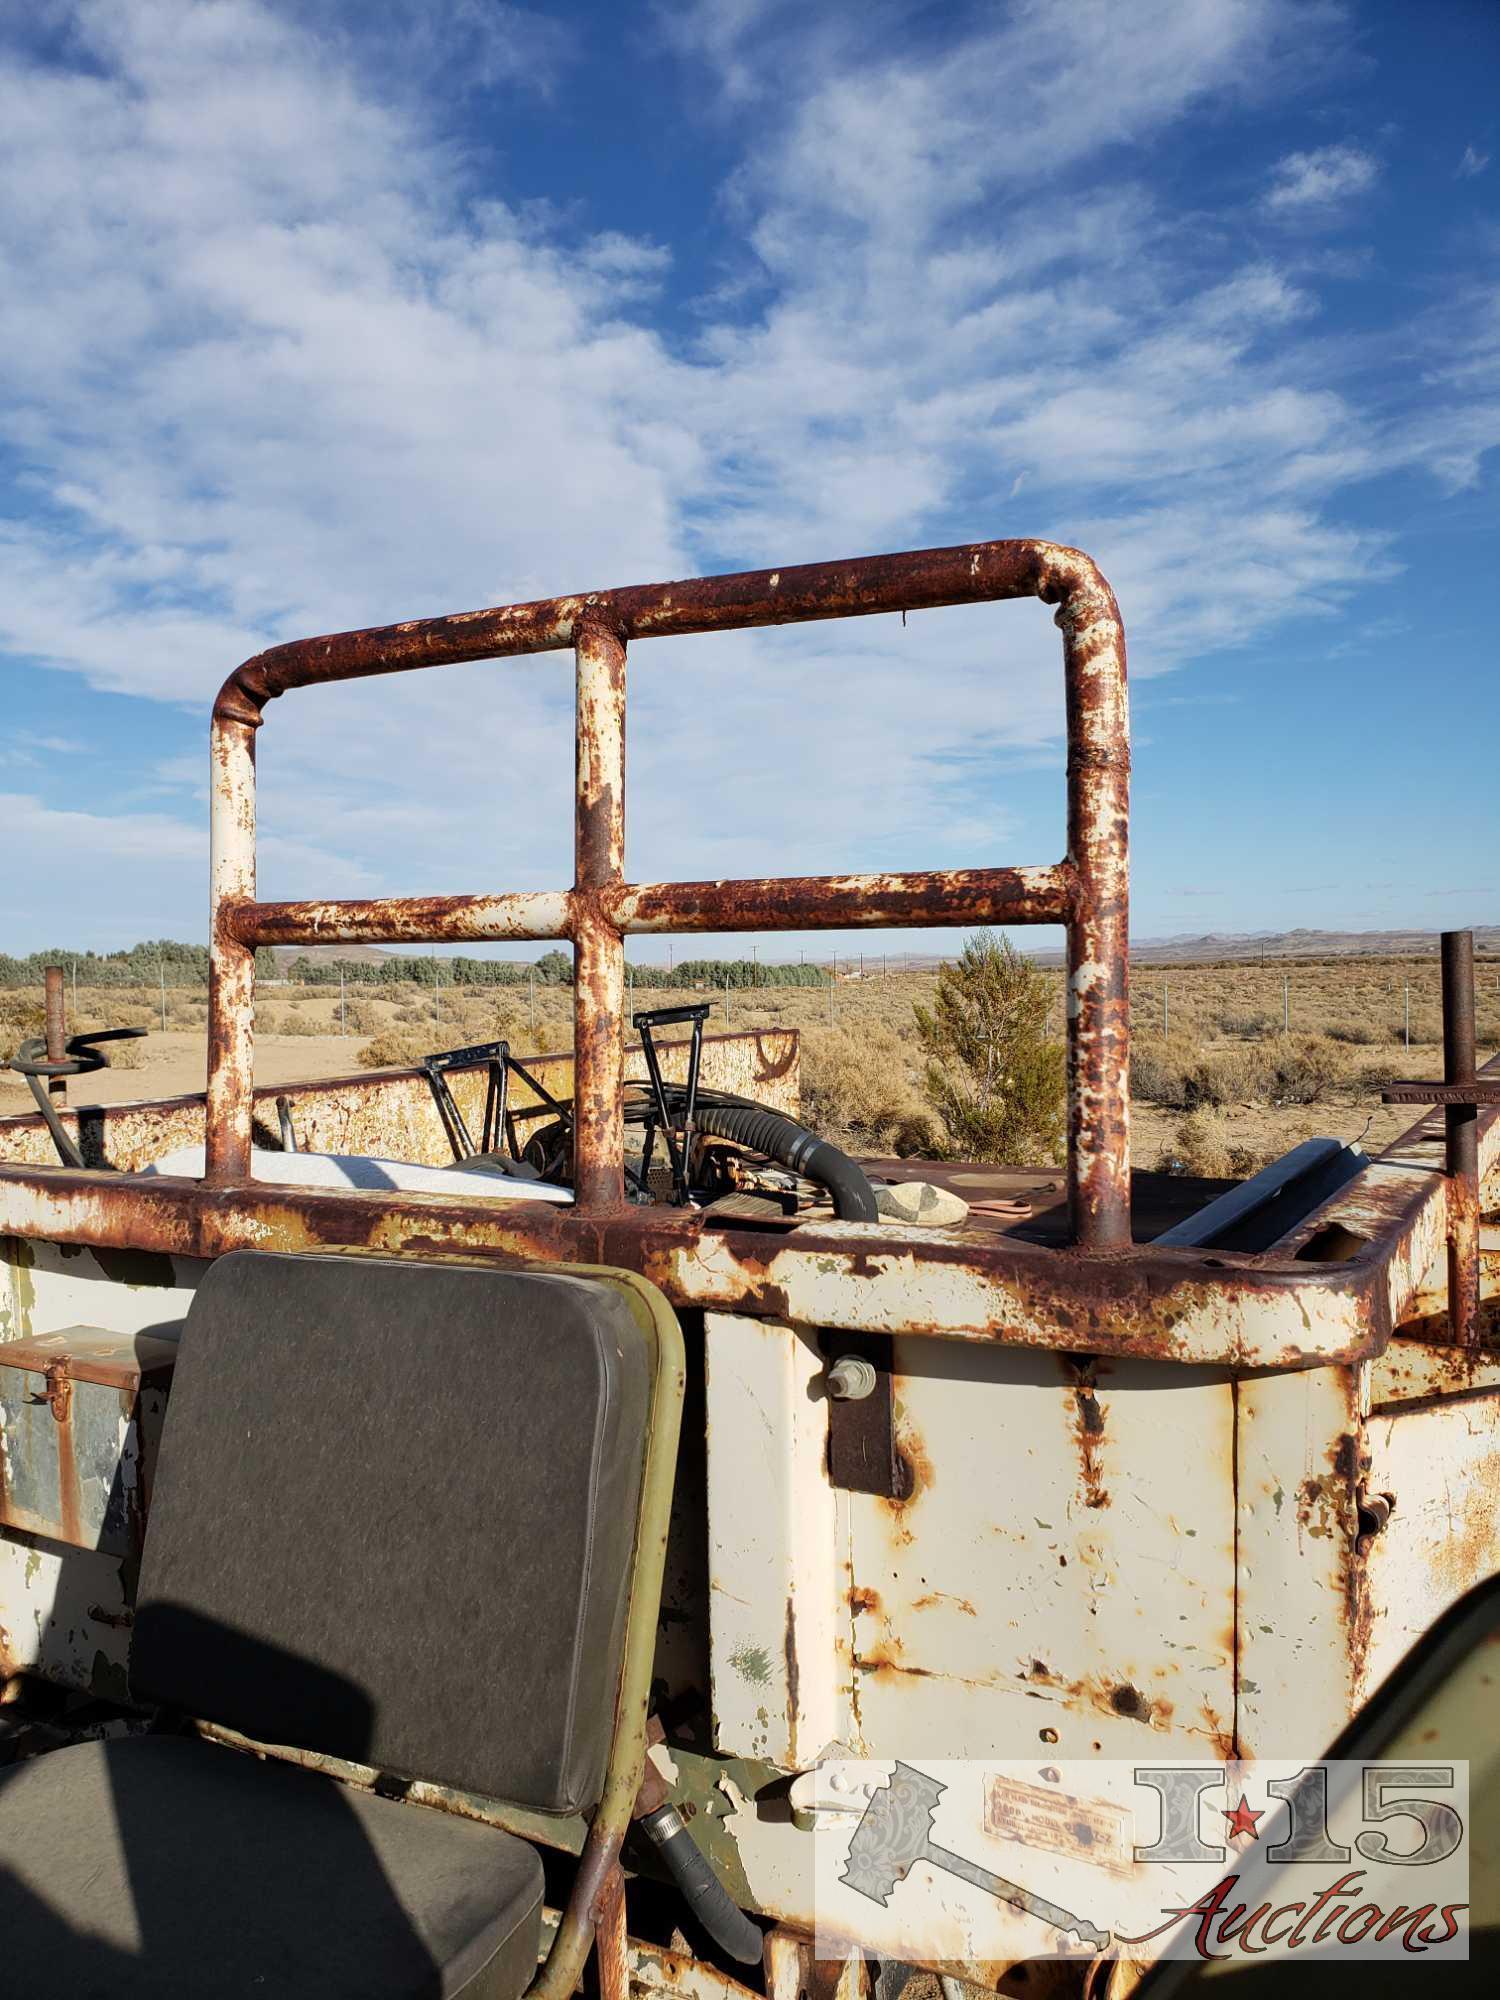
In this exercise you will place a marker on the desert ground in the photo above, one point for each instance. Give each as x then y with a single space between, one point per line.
1232 1064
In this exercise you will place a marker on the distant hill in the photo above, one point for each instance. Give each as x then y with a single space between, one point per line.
351 954
1252 946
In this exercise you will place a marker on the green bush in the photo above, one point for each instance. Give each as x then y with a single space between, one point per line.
992 1077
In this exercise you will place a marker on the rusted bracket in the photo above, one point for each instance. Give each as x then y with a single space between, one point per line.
862 1454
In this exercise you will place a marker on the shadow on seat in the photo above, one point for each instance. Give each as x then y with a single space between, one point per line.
395 1521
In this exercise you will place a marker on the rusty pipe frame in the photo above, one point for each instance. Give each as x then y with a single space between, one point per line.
1088 891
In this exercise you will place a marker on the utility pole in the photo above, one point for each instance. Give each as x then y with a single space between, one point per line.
1286 1004
532 983
161 974
1166 1007
1407 1033
343 1007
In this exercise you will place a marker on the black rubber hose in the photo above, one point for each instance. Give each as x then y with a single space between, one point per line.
707 1898
791 1144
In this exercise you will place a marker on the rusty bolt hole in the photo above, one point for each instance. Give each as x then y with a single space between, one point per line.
1127 1700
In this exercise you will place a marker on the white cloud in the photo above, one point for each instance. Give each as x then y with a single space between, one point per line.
1473 162
260 387
1322 178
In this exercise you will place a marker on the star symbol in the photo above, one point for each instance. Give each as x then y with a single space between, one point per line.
1242 1820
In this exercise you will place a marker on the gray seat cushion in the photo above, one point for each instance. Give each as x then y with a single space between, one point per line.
174 1868
394 1517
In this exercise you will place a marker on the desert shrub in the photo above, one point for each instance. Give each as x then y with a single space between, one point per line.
1182 1077
992 1076
1158 1069
1358 1034
1426 1031
1247 1027
20 1018
364 1016
396 1048
1302 1071
857 1089
1204 1146
1227 1077
302 1024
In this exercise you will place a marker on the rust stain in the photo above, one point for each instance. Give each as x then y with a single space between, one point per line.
1088 1430
793 1672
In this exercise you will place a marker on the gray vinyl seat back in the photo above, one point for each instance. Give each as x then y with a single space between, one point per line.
394 1518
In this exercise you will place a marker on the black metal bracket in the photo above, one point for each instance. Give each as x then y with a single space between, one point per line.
676 1128
494 1056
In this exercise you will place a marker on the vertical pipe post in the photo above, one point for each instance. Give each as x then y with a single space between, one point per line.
231 965
1099 923
57 1030
599 949
1461 1125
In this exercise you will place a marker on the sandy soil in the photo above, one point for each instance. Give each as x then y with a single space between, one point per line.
176 1065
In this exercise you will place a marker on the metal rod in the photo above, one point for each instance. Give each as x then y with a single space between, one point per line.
1461 1127
57 1030
599 968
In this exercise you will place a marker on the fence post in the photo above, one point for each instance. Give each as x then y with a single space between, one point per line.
57 1030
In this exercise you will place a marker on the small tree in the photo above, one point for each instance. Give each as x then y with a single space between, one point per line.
994 1079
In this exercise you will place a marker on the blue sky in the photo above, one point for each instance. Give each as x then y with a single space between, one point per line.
323 316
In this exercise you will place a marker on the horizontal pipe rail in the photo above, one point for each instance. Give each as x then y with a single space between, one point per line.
1087 892
638 909
916 580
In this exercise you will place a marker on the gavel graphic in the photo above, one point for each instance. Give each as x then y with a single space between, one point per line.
895 1833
